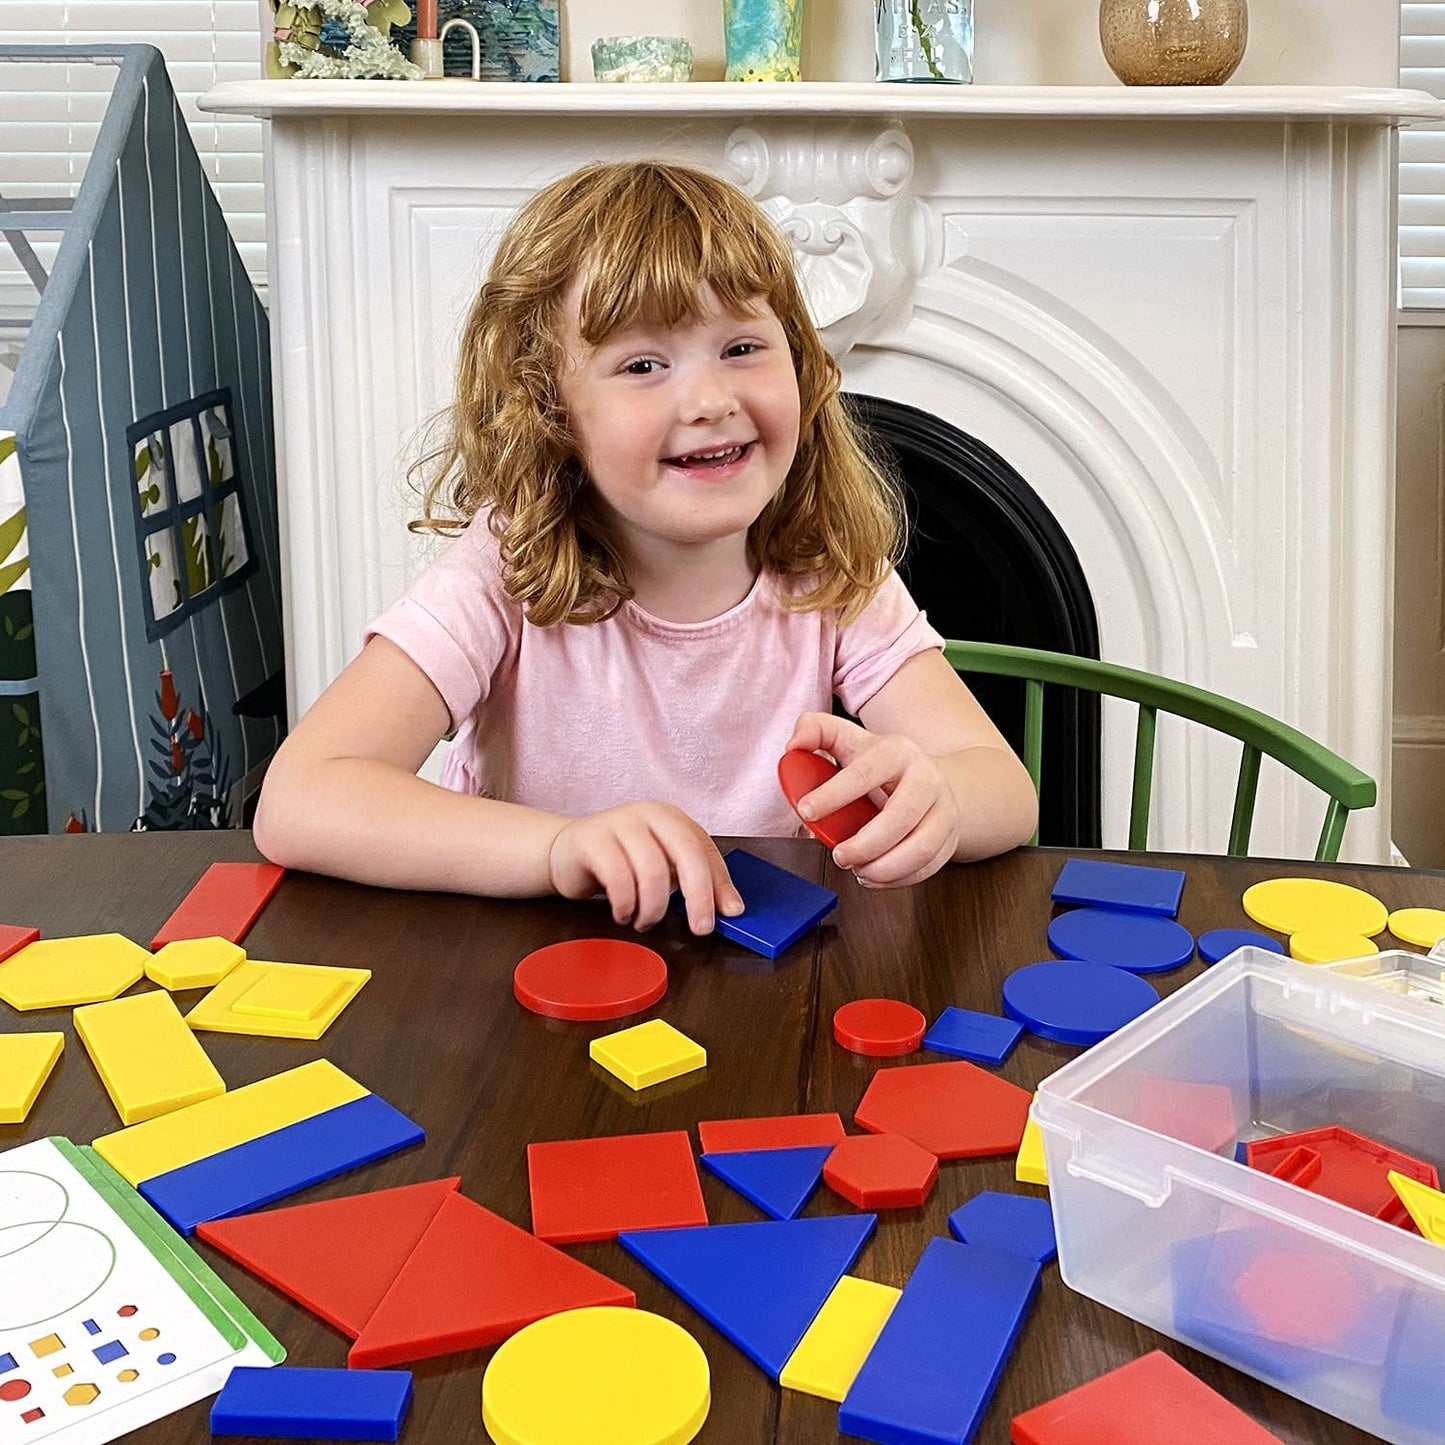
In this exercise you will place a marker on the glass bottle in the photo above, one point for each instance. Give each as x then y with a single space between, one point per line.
928 40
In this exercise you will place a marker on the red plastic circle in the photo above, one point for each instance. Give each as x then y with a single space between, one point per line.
879 1027
587 979
14 1390
799 773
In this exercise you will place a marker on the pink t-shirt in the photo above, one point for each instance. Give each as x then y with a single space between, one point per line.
575 718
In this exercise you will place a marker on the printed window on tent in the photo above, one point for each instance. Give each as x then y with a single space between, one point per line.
190 522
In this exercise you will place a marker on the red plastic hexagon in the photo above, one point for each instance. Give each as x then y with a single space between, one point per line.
589 979
799 772
1308 1300
955 1111
880 1028
881 1171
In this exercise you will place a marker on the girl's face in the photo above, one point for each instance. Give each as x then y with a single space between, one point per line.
688 431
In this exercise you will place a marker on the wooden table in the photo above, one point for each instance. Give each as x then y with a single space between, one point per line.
438 1034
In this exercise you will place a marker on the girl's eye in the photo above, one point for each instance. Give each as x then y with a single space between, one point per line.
642 366
744 348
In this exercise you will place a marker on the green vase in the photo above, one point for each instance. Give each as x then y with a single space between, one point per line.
763 39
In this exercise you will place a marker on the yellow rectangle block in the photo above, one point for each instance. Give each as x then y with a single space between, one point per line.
25 1063
1029 1167
831 1353
159 1145
148 1060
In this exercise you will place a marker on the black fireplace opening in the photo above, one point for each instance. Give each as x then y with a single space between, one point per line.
989 562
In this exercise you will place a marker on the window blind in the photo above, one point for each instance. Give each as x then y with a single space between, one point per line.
50 113
1422 159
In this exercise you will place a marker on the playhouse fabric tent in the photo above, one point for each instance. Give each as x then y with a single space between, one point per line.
141 670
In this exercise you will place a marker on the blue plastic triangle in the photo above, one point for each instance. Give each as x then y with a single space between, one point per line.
779 1181
759 1284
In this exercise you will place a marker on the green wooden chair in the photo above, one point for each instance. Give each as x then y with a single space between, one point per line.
1346 786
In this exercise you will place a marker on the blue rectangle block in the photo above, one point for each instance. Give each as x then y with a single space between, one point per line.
986 1038
277 1164
1129 886
304 1404
110 1350
930 1376
781 907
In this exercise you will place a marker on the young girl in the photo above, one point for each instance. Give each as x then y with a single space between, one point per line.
672 553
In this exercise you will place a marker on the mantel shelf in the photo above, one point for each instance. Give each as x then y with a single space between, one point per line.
296 98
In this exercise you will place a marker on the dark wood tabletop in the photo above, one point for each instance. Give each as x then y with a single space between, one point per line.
438 1034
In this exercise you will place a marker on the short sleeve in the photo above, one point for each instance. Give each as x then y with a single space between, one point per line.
457 623
872 647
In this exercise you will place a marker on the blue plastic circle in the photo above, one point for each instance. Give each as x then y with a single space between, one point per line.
1221 942
1074 1001
1140 942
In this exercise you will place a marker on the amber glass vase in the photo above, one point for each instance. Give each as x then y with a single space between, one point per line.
1173 42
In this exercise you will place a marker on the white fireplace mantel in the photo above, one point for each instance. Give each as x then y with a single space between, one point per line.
1172 311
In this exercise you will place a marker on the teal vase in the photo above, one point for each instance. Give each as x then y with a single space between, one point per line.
763 39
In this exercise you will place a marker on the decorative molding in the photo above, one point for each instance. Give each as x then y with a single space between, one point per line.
1418 731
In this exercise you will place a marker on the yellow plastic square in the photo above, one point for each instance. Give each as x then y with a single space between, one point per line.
61 1371
1030 1168
832 1351
647 1054
148 1060
46 1345
194 962
313 996
25 1063
61 972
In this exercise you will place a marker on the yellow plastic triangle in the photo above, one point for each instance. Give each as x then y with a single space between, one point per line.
1426 1205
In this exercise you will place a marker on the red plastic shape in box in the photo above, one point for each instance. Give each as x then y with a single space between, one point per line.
589 979
799 772
13 938
778 1131
881 1028
881 1171
955 1111
1349 1168
1149 1401
595 1188
226 901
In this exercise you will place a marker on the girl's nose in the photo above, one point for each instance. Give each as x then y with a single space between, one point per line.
710 398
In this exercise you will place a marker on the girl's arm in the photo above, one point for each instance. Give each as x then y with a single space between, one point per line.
342 797
949 784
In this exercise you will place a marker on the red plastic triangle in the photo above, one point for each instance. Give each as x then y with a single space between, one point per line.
338 1257
474 1280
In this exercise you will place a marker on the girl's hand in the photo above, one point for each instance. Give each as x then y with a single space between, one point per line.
637 854
917 830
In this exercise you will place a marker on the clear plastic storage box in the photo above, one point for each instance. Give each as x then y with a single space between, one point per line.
1156 1219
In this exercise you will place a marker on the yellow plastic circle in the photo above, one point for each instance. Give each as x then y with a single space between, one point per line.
1300 905
1422 927
601 1376
1328 945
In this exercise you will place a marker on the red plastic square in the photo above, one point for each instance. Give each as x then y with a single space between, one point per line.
595 1188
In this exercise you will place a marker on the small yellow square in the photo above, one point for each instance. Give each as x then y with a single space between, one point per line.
278 1000
647 1054
194 963
25 1063
1030 1168
831 1353
61 1371
46 1345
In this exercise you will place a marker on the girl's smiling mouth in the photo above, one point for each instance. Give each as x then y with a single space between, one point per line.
711 462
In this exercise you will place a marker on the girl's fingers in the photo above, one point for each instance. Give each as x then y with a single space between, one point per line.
907 806
652 870
919 854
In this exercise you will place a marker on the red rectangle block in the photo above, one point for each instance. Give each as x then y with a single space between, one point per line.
226 901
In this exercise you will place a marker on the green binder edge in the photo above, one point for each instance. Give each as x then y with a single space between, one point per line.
205 1288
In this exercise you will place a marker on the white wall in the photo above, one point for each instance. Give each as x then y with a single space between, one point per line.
1036 42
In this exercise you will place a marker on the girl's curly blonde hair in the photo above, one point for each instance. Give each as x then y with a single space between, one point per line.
646 238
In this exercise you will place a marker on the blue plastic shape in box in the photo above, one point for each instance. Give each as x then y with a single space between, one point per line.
1137 941
933 1370
1137 889
985 1038
280 1163
1414 1390
1015 1223
760 1284
781 907
288 1403
1221 942
1075 1002
779 1181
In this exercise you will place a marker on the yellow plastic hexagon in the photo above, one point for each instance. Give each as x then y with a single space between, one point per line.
194 962
1293 905
1329 945
1421 927
647 1054
835 1345
278 1000
82 1395
607 1376
61 972
25 1063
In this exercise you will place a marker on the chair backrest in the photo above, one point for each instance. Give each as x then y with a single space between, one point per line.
1346 786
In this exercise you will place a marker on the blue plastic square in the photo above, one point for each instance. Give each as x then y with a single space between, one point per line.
781 907
91 1328
1129 886
987 1038
110 1350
